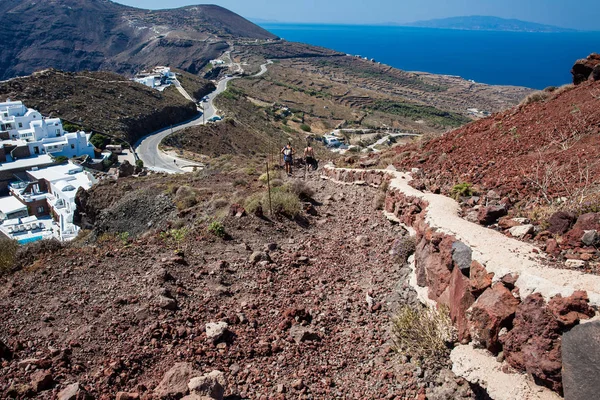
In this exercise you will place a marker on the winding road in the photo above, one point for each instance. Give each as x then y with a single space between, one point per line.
147 148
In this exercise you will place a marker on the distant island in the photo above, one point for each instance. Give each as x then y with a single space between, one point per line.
484 23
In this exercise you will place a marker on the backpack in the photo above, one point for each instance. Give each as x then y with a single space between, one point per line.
287 153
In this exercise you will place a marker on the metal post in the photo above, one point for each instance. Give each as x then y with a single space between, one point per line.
269 189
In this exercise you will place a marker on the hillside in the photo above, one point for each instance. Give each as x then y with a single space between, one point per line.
74 35
486 23
540 155
102 101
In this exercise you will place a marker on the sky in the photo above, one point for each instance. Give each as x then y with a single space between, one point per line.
582 15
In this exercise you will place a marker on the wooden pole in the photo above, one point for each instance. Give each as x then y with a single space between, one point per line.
269 189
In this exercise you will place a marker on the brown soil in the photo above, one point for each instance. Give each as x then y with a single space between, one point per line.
91 314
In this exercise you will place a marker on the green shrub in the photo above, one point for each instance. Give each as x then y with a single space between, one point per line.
69 127
217 229
99 141
285 203
305 128
462 190
61 159
8 251
139 163
175 237
219 203
424 334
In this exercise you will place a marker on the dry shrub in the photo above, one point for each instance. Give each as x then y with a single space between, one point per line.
403 248
8 252
185 197
563 89
300 189
29 253
219 203
379 201
283 201
424 334
276 183
535 97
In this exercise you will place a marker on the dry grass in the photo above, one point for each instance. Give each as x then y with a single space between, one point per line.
536 97
8 251
423 334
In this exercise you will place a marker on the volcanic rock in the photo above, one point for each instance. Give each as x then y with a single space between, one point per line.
560 222
461 298
480 278
585 68
587 222
492 310
590 238
74 392
533 345
491 214
5 352
301 334
461 256
581 361
569 310
41 380
211 385
174 382
215 330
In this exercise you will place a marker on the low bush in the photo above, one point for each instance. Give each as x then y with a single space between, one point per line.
300 189
219 203
424 334
8 252
403 248
139 163
283 201
185 197
535 97
462 190
61 159
217 229
305 128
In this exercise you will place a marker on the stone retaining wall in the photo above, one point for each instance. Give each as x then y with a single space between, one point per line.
488 311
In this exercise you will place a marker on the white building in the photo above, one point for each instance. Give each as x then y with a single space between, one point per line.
49 194
159 78
24 132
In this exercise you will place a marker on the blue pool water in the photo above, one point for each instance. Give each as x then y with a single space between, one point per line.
30 239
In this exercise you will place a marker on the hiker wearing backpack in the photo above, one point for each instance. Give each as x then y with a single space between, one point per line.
288 157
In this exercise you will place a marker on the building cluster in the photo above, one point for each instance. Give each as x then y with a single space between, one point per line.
41 200
158 78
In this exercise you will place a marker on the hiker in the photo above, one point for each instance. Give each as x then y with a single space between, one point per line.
288 157
309 157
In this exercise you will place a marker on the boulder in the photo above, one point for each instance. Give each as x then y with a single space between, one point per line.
570 310
236 210
73 392
521 230
302 334
127 396
460 299
588 222
41 380
462 257
175 381
560 222
490 214
590 238
211 385
581 362
125 169
585 68
534 345
492 311
596 73
480 278
215 330
166 303
258 256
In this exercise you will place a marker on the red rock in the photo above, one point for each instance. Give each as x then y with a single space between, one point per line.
569 310
588 222
490 313
461 298
507 223
552 246
573 237
510 280
480 278
585 68
560 222
41 380
489 215
533 345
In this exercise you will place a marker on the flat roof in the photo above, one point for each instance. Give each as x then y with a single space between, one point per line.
57 172
28 162
10 205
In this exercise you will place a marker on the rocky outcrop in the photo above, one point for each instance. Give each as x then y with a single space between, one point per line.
175 381
586 68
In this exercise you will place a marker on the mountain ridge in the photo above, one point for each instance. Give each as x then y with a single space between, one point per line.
487 23
75 35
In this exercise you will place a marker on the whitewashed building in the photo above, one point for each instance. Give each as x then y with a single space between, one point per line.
24 132
159 78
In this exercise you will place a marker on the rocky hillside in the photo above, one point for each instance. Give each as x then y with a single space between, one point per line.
102 101
75 35
544 149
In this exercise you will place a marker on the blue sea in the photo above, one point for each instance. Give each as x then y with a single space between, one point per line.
534 60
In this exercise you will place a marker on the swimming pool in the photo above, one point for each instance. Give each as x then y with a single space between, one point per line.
30 239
